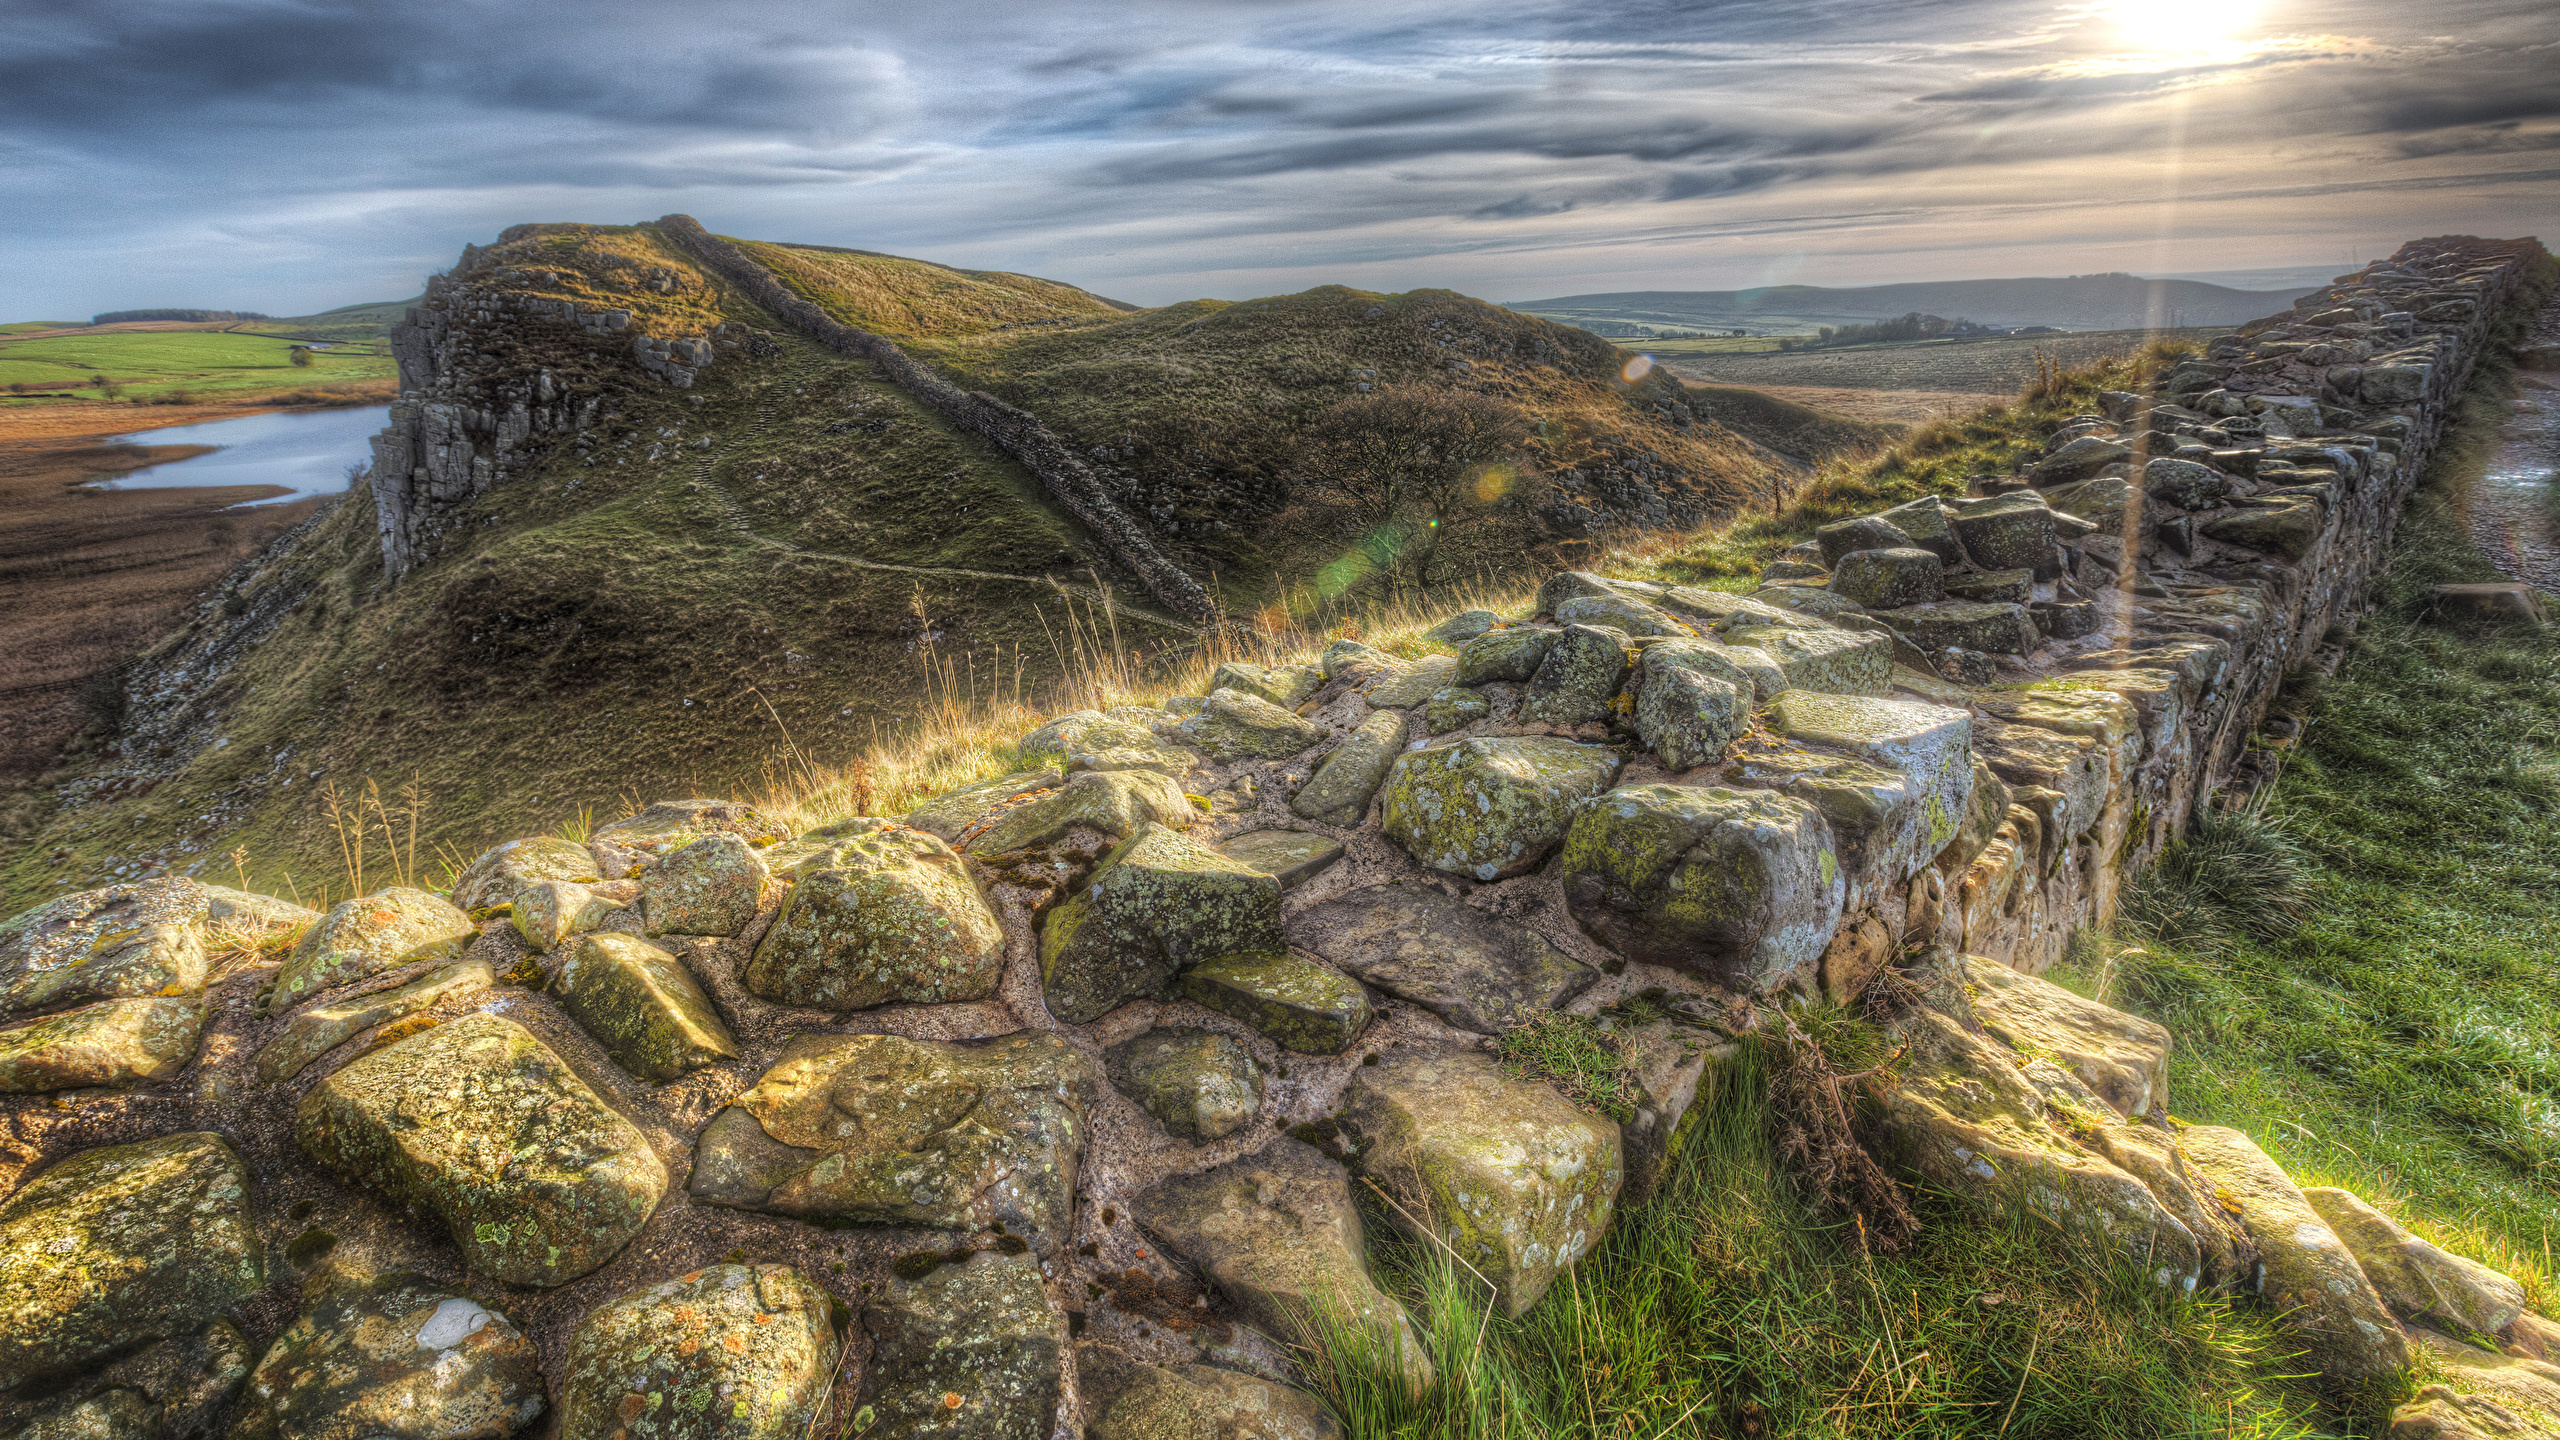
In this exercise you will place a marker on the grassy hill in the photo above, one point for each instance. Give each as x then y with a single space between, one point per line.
2077 302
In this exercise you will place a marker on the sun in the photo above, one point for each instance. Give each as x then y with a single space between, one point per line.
2173 25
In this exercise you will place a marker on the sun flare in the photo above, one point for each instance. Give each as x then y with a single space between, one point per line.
2172 25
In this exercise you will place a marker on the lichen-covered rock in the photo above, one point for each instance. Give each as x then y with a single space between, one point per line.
1413 684
395 1357
727 1352
2303 1268
1089 740
2185 483
1233 725
880 1129
246 910
1930 746
1291 857
2101 502
1299 1005
1202 1085
319 1029
1279 1235
1742 887
547 913
2288 527
117 943
2079 459
1506 1171
1448 957
1887 579
2123 1059
667 826
886 915
968 1352
1866 532
172 1389
1619 613
479 1124
1117 802
1201 1402
2000 587
1488 808
1579 677
116 1413
710 887
1454 707
642 1006
1282 685
1872 811
1462 627
2009 532
493 879
1686 715
1568 584
947 815
1350 657
1843 662
1989 626
364 937
1158 902
2415 1278
120 1244
1925 521
112 1042
1747 670
1511 653
1809 600
1350 773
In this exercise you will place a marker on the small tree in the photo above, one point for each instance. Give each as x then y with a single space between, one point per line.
1415 467
300 355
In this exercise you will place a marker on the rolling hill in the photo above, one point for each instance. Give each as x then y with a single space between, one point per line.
2076 302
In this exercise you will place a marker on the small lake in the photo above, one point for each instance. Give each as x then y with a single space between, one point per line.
305 451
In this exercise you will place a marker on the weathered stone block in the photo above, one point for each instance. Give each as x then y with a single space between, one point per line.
1888 579
1299 1005
120 942
1233 725
111 1042
394 1357
1471 970
1843 662
2304 1270
1158 902
1199 1084
1487 808
729 1352
1743 888
1579 677
1929 745
391 928
642 1006
980 1332
1349 775
710 887
1511 653
890 915
1118 802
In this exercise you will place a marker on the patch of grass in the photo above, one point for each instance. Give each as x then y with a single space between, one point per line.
1582 1058
1730 1307
915 299
2234 873
1999 366
200 360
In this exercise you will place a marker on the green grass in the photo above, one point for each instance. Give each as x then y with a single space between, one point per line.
144 364
23 327
1728 1307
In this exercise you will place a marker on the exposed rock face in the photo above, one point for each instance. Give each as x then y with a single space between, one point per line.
1508 1173
394 1356
2413 1277
908 1132
122 1243
981 1331
872 918
732 1352
2303 1267
2123 1059
479 1124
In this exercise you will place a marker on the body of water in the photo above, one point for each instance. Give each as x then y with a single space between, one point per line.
305 451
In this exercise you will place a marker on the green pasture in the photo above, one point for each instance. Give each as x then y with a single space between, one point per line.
149 364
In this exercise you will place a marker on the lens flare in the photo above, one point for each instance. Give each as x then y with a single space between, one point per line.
1637 369
1493 482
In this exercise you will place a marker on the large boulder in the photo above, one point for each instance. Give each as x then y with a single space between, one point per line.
879 1129
2010 532
2123 1059
121 942
120 1244
2303 1268
728 1352
1202 1402
890 914
316 1030
396 1357
1349 776
1233 725
948 816
1993 627
2289 527
1843 662
1744 888
493 879
1413 684
642 1005
479 1124
1504 1171
1457 962
1158 902
2415 1278
1489 808
1279 1235
968 1352
1202 1085
1887 579
1116 802
1930 746
1512 653
1295 1003
710 887
113 1042
364 937
1579 677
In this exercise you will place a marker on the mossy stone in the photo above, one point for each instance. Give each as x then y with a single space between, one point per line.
112 1042
2187 484
1187 1402
1742 887
1488 808
1989 626
1746 669
727 1352
1298 1005
888 915
500 871
1117 802
1505 1171
1619 613
1282 685
1159 901
119 1244
1199 1084
116 943
360 938
981 1332
1686 716
1864 532
318 1029
2289 527
1925 521
1579 678
1472 970
1349 775
2304 1270
1232 725
948 815
1511 653
479 1124
1455 707
1412 684
1090 740
547 913
2010 532
1291 857
642 1005
1885 579
710 887
1843 662
883 1130
1929 746
397 1357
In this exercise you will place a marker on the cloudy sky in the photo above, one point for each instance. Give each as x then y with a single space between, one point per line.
291 155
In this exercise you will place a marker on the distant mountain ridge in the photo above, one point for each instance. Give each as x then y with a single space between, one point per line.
2113 301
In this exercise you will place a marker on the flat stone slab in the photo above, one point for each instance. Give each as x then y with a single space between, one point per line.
479 1124
968 1352
1470 969
884 1130
318 1029
369 936
2123 1059
119 1244
113 1042
728 1352
1299 1005
393 1355
1291 857
642 1005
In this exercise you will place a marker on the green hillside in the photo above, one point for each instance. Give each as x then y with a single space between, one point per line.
199 361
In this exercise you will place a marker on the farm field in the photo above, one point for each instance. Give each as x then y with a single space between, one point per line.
1880 407
1972 367
148 363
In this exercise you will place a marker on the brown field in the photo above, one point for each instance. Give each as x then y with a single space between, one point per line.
88 577
1999 367
1882 407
